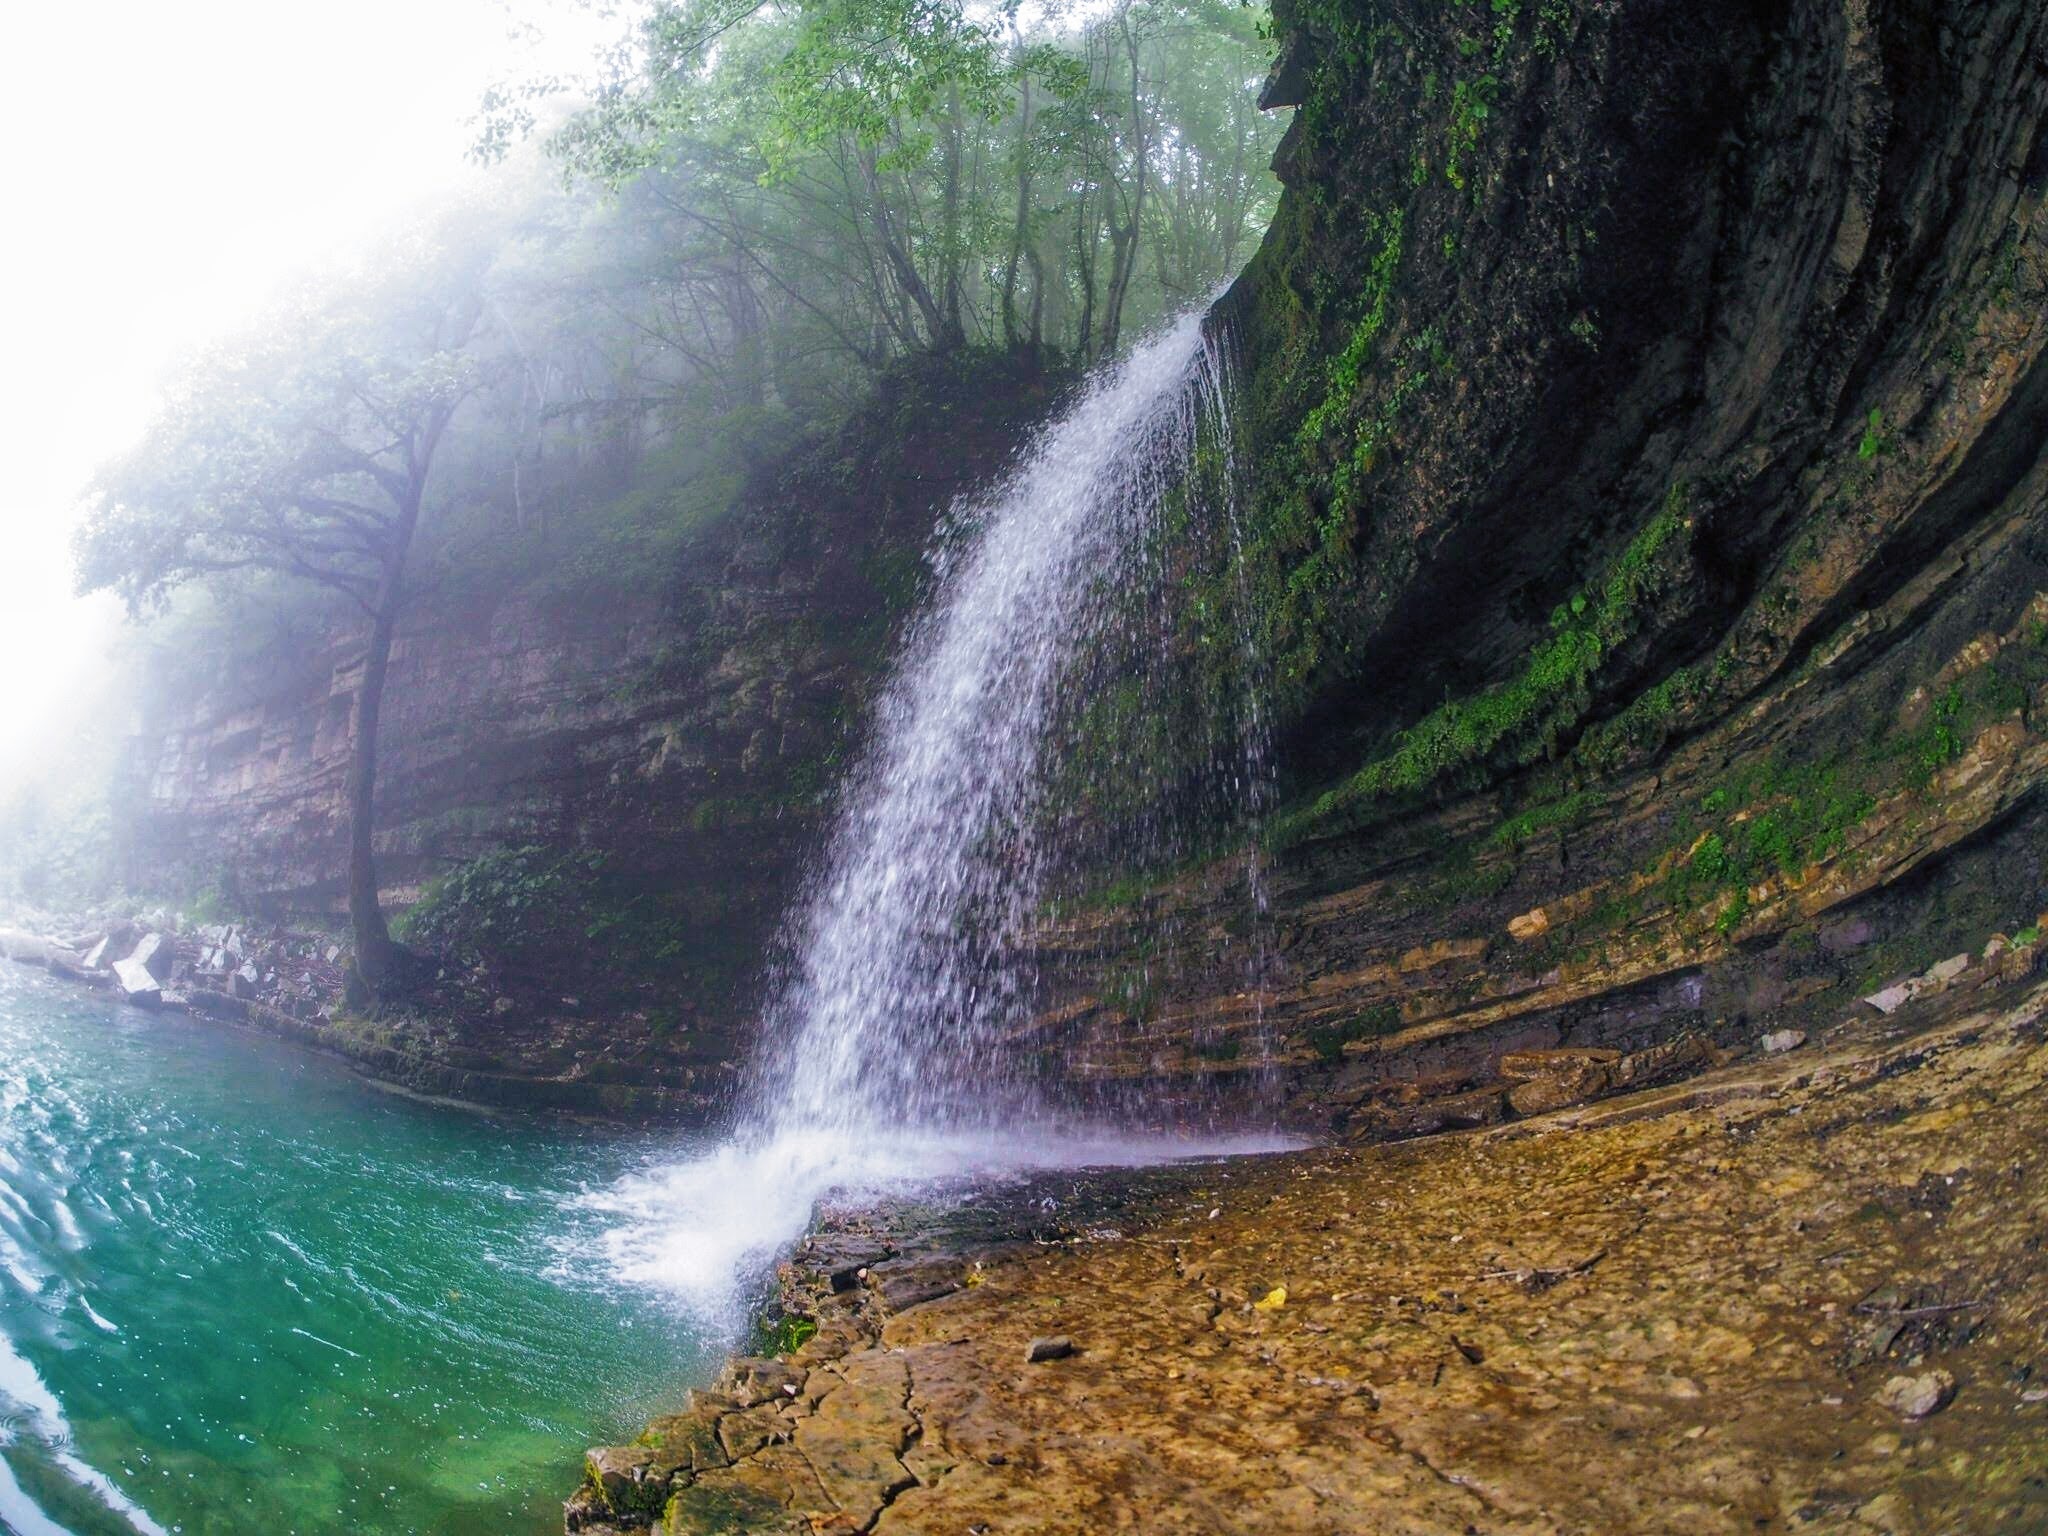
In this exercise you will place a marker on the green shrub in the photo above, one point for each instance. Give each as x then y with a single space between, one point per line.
783 1333
503 900
1554 682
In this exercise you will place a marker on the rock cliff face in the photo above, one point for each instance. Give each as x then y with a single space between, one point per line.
683 728
1647 408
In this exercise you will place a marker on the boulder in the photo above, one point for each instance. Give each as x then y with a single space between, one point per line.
1656 1063
137 983
844 1257
1459 1111
1895 997
1840 938
763 1379
1778 1041
2022 959
626 1480
1570 1084
65 963
16 945
219 1005
34 949
1948 970
153 953
1429 1087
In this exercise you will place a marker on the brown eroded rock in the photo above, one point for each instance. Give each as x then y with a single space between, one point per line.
1681 1311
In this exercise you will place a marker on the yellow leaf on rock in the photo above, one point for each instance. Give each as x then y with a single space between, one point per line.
1274 1300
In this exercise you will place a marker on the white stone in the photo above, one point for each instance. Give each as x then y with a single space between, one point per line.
1949 969
153 953
136 982
1916 1397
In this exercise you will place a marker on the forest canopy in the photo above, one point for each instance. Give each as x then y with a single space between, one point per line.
837 182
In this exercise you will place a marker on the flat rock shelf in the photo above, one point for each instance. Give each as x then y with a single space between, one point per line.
1715 1306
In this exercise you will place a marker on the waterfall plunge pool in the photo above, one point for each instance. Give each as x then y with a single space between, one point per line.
242 1290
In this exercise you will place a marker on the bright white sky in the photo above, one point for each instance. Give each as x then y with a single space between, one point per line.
167 168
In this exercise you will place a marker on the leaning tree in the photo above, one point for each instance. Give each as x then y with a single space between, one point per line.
305 450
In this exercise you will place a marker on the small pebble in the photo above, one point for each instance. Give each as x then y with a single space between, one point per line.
1918 1397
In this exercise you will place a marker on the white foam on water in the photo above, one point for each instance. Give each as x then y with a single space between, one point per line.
706 1231
30 1413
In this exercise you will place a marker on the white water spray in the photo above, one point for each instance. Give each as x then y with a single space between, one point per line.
908 979
892 1032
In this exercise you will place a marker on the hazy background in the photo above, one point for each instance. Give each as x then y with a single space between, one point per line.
170 167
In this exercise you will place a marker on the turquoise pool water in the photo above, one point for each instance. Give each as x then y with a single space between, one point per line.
243 1291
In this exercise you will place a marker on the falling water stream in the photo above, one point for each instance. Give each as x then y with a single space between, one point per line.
892 1056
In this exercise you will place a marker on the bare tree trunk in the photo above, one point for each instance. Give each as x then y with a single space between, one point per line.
1017 232
949 217
1124 238
940 337
1235 202
1123 257
1084 266
383 968
749 344
378 959
1036 335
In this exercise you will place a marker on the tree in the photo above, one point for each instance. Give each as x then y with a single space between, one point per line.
868 178
306 451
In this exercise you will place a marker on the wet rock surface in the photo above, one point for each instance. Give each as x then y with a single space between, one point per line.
1800 1292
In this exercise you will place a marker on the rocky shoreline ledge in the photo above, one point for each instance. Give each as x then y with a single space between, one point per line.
1800 1291
289 983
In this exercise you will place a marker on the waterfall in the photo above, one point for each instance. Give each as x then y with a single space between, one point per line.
911 972
908 973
